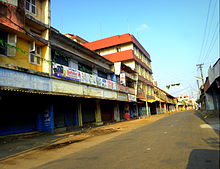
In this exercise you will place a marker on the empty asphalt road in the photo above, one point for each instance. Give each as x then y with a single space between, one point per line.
179 141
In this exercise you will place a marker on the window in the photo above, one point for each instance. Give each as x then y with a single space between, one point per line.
7 44
30 6
85 68
118 49
35 54
102 74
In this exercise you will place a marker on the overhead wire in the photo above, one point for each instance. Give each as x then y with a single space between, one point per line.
213 41
209 29
204 34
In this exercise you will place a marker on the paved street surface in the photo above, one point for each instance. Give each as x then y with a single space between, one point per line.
180 141
177 141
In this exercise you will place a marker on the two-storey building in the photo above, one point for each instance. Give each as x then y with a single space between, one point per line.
24 66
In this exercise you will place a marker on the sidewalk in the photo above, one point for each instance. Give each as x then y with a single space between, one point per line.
212 118
12 145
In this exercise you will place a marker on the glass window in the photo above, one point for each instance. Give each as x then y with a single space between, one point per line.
30 5
35 55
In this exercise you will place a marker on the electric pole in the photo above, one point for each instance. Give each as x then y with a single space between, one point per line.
200 68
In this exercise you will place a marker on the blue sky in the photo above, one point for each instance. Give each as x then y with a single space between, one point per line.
176 33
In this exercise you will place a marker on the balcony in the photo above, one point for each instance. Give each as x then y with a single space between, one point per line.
126 89
141 94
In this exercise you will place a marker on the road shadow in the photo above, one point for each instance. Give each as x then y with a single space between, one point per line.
212 142
203 159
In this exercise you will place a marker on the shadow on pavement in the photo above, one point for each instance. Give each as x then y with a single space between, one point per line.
203 159
212 142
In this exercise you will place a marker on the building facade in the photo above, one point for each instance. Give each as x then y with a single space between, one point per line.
210 93
164 102
127 50
50 82
24 66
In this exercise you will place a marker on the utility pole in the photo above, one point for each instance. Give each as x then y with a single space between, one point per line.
200 68
197 83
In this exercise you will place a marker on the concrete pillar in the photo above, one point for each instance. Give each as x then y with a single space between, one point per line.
80 121
98 117
147 110
160 107
116 112
165 107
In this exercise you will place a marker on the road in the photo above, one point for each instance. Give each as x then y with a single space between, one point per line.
178 141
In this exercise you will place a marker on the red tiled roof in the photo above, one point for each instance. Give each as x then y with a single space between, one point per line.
115 40
125 55
120 56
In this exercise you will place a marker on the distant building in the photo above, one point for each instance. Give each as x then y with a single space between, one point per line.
185 103
164 102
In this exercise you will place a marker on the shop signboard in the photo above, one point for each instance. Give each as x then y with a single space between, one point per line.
122 79
76 75
132 97
122 96
13 78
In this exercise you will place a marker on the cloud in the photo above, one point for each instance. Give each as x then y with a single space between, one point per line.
143 27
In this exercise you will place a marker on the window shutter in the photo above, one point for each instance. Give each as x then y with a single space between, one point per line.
32 58
12 40
32 46
38 54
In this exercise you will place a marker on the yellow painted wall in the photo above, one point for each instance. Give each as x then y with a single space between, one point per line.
126 46
46 53
107 51
42 11
131 64
113 49
22 59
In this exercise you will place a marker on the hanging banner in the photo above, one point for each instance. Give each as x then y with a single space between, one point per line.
117 66
110 84
122 79
76 75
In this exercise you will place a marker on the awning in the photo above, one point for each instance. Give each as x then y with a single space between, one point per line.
151 101
148 100
159 100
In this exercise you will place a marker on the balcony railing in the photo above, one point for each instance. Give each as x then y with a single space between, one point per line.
125 89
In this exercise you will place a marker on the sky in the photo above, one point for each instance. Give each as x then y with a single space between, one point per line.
177 34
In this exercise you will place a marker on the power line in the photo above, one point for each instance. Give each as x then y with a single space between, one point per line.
204 34
209 30
213 41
